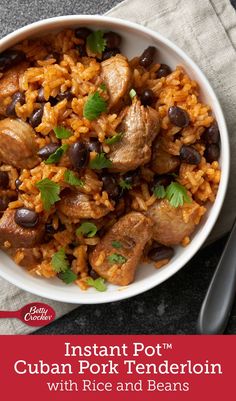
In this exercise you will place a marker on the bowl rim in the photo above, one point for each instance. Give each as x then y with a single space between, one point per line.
149 282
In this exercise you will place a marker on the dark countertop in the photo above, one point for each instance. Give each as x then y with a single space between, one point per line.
170 308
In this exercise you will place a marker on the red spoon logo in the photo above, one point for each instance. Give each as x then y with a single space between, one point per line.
35 314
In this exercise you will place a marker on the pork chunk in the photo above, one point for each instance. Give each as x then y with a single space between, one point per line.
77 205
116 75
17 144
140 127
171 224
17 236
163 162
9 83
131 232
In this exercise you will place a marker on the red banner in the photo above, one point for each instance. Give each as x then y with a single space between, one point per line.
123 368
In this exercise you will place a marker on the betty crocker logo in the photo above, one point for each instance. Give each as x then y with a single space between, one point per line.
35 314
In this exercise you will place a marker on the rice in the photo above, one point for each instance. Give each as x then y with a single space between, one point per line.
55 65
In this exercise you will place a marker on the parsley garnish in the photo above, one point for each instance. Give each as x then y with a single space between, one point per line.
68 276
94 106
88 229
113 139
159 191
177 194
103 87
55 157
49 192
62 132
96 42
116 258
60 262
117 244
71 179
99 283
61 265
132 93
99 162
125 184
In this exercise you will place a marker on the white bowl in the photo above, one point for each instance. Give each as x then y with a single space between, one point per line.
135 39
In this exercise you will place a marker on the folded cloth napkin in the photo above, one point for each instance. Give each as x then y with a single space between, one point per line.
206 30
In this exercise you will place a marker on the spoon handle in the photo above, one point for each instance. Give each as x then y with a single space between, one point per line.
219 298
9 314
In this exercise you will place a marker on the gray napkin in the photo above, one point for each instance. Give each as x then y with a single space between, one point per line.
206 30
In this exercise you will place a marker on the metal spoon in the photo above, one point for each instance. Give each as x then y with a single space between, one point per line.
218 302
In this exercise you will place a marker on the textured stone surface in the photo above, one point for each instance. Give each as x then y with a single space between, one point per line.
172 307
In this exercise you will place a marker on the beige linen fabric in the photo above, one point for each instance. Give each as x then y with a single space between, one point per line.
206 30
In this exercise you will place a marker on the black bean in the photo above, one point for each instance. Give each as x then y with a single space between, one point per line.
79 155
94 146
18 184
49 229
40 97
48 150
110 186
178 116
82 50
26 218
147 97
36 118
212 134
9 58
93 274
189 155
147 56
65 95
17 97
113 40
212 152
82 33
133 177
4 200
160 252
4 179
163 179
110 53
163 71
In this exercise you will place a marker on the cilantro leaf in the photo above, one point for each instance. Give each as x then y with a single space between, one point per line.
159 191
59 261
114 139
68 276
96 42
87 228
177 194
94 106
55 157
99 162
99 283
132 93
49 192
125 184
103 87
117 244
71 179
62 132
116 258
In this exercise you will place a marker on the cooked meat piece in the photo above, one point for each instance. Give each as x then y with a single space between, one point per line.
140 127
77 205
170 224
17 144
131 232
9 83
116 75
163 162
16 235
